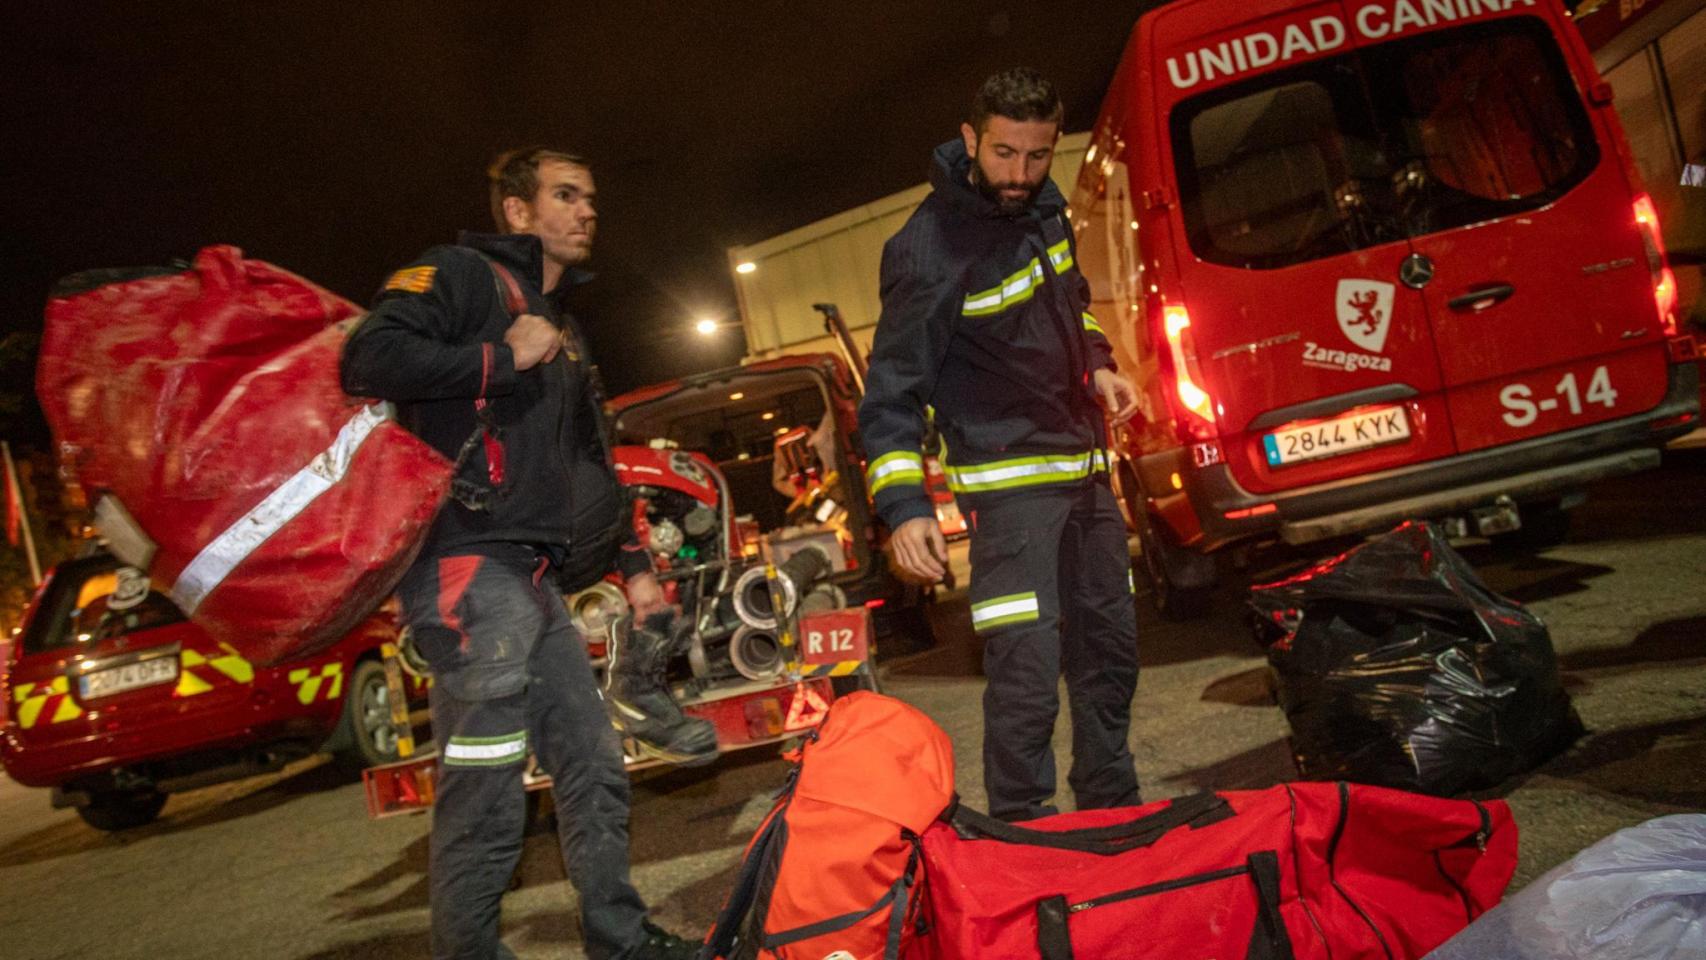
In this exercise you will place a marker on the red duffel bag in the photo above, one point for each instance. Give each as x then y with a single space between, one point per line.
280 510
1304 870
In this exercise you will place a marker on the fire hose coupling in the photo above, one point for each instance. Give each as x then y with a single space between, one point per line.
756 653
593 610
752 602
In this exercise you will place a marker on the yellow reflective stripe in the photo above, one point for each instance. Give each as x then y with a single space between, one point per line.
1060 256
842 669
308 682
233 665
33 699
1091 324
1000 611
897 467
1016 289
1025 471
29 707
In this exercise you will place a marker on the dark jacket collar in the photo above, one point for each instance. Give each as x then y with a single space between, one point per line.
522 253
950 175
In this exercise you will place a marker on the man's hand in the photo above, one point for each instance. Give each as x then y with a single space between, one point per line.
534 340
919 550
645 597
1118 396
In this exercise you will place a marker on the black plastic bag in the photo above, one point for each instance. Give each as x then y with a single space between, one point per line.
1398 667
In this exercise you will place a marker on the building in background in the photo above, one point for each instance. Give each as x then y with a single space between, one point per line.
1653 53
835 260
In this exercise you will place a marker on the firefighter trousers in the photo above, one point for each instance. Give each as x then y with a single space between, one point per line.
1051 593
510 675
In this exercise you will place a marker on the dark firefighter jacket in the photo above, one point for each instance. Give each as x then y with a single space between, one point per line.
985 318
434 345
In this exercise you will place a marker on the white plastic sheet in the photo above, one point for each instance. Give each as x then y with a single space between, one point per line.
1639 894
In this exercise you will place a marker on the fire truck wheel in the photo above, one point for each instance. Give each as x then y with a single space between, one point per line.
121 810
364 737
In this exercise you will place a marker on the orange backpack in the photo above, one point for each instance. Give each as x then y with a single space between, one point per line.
833 871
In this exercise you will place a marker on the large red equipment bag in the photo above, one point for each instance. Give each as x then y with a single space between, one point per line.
833 871
207 402
1304 870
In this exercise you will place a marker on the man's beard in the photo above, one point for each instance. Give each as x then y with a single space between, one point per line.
992 191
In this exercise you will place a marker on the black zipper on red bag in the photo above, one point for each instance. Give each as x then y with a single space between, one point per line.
1149 889
1302 901
1478 839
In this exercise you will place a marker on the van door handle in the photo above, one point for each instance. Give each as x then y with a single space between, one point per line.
1477 300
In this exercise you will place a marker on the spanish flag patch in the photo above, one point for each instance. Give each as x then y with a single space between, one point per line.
412 279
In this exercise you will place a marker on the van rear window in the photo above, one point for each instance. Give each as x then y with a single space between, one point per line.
1399 140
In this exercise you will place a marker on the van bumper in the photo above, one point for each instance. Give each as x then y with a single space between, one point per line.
1534 469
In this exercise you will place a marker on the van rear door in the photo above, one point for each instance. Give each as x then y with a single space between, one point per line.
1539 293
1320 362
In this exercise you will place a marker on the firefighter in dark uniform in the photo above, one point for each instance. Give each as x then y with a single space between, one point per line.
474 345
985 320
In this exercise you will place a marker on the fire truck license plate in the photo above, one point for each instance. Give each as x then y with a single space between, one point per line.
1330 438
143 673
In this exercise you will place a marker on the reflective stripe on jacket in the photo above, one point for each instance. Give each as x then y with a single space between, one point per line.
985 318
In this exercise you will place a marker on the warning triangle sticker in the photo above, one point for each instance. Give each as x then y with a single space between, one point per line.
805 698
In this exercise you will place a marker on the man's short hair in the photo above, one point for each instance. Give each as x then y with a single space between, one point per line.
515 173
1017 94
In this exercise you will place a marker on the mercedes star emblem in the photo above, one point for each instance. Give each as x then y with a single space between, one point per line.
1416 271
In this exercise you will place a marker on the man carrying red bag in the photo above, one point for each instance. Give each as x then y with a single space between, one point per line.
473 344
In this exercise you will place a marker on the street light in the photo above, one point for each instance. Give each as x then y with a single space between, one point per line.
746 266
706 327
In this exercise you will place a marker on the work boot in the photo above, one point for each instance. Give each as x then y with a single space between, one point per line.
660 944
637 688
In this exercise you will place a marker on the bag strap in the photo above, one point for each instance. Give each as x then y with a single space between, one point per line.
895 899
1054 941
1268 939
1195 810
730 919
509 289
470 494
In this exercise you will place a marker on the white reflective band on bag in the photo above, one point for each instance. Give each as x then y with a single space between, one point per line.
216 560
893 468
1024 471
999 611
486 751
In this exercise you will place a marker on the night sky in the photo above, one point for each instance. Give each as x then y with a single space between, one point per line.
339 140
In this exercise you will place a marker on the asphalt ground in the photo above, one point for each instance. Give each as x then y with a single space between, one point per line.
289 866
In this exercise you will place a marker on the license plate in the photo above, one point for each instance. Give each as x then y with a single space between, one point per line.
143 673
1340 435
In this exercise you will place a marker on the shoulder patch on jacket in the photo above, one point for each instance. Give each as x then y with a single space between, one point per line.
412 279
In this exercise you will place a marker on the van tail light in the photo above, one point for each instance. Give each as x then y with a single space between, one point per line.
1664 281
1195 404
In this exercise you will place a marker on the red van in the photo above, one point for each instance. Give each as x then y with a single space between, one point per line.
1370 261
